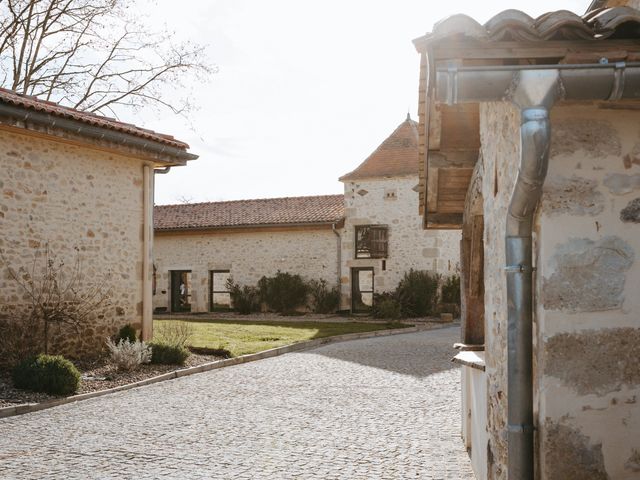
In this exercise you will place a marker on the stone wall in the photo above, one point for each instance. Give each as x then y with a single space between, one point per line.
248 254
73 197
586 325
393 202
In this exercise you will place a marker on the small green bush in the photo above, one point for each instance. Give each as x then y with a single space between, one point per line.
164 354
386 306
126 333
417 293
323 299
244 300
52 374
283 292
450 291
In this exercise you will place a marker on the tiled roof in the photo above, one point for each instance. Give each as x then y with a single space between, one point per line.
514 25
51 108
397 155
322 209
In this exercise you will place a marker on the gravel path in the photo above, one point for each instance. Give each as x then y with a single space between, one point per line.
379 408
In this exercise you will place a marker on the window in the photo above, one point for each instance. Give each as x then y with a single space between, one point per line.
219 297
371 241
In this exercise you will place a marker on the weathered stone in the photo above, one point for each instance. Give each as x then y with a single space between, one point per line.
594 138
595 361
569 455
59 197
631 213
621 184
633 464
588 276
574 196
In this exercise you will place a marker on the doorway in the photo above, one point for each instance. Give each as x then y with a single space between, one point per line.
361 289
219 296
181 290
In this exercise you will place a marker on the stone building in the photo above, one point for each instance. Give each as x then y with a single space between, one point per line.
365 240
198 246
74 182
550 271
381 202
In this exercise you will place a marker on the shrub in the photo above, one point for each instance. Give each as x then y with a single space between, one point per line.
126 355
51 374
177 333
417 293
450 292
164 354
385 305
323 300
21 337
243 299
283 292
126 333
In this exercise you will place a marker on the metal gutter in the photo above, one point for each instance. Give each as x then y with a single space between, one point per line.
339 255
534 89
97 133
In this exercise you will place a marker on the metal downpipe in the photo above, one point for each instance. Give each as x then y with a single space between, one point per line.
534 143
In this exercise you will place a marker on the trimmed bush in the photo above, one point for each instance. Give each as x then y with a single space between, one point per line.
417 293
164 354
386 306
451 290
126 333
244 300
52 374
323 299
284 292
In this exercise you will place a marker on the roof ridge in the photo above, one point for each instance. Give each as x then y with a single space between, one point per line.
250 200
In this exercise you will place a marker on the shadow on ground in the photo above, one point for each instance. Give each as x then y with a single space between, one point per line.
418 354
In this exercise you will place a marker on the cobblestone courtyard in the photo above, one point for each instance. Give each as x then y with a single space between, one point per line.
383 408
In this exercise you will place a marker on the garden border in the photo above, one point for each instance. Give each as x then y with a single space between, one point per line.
205 367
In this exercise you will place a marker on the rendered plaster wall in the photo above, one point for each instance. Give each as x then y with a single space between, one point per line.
587 326
393 202
73 197
248 255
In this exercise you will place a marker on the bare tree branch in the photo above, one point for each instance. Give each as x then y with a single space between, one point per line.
93 55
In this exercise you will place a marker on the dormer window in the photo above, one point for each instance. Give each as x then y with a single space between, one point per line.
371 241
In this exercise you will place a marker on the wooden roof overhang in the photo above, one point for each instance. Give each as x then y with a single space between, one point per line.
449 135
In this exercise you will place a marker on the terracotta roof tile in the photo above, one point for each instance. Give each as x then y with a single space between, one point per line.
397 155
514 25
250 213
44 106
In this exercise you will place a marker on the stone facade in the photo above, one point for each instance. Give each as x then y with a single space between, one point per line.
392 201
67 197
586 329
247 253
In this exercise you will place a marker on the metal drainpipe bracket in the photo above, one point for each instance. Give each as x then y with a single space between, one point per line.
518 269
618 81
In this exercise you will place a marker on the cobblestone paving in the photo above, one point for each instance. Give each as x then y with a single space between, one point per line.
382 408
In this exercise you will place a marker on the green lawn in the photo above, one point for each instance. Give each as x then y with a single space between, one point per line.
242 338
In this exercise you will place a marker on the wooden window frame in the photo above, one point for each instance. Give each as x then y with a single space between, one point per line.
373 247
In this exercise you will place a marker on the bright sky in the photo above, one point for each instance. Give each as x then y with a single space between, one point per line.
306 90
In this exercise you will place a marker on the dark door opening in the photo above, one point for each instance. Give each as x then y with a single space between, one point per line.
361 289
219 296
181 290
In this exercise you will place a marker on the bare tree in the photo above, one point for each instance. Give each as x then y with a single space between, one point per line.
57 294
93 55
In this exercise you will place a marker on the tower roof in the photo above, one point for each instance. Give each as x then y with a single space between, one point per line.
397 155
